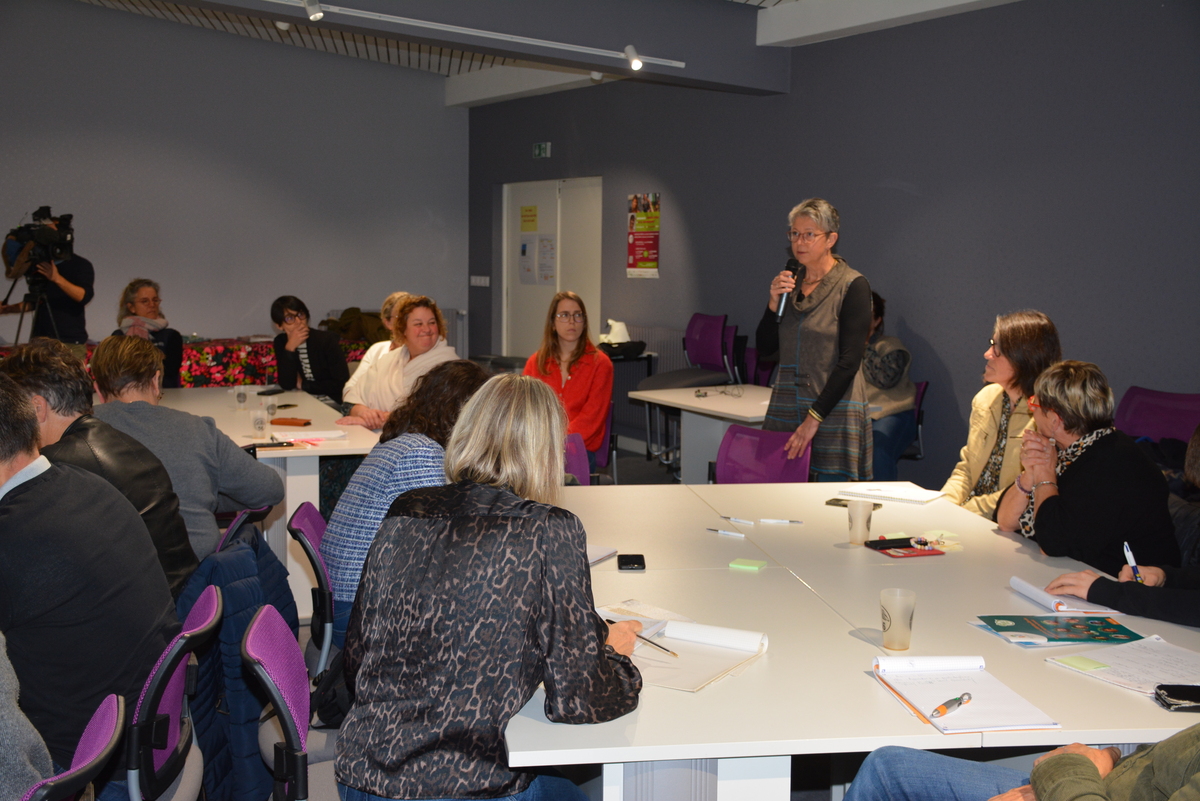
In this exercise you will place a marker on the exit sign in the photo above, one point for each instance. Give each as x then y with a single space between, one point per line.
541 150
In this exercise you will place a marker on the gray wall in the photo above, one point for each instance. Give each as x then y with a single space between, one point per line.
228 169
1035 155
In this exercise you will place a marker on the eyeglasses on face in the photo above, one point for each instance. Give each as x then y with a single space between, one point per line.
578 317
807 237
1033 404
147 302
995 348
292 317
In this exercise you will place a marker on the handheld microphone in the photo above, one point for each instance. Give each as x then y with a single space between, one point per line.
794 266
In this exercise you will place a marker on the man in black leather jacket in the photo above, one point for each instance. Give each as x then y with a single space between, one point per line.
61 392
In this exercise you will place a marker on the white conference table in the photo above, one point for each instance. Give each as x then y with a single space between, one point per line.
297 466
817 600
703 421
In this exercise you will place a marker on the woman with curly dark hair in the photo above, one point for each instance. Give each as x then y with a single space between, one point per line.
409 455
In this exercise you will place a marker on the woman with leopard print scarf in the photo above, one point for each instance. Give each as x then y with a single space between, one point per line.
1085 488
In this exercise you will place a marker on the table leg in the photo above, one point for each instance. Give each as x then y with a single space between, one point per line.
301 482
743 779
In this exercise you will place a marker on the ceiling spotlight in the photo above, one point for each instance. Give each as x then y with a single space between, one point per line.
635 63
283 26
597 77
313 9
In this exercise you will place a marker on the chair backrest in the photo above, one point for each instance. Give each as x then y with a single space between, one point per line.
96 746
753 456
160 728
1154 414
272 654
916 449
608 448
704 342
242 518
576 458
307 527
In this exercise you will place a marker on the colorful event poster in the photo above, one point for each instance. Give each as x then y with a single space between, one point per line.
643 211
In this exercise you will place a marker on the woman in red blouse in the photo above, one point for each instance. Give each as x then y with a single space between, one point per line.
580 375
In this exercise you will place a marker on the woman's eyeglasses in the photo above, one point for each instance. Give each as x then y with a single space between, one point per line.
807 237
578 317
292 318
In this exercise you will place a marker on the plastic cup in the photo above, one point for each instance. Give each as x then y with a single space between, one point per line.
258 423
859 513
896 606
241 396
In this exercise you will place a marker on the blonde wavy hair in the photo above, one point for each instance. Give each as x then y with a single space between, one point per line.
389 304
511 434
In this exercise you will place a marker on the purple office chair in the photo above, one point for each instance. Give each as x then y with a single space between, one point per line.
576 459
307 527
1154 414
159 742
243 518
272 654
916 451
96 745
754 456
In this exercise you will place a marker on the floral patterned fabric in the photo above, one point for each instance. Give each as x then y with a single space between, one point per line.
230 362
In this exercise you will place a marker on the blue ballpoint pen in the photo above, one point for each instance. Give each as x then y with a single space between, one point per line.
1137 574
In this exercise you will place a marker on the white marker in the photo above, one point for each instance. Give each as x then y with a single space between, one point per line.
727 533
782 522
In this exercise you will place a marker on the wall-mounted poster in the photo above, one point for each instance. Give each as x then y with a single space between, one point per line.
643 211
547 259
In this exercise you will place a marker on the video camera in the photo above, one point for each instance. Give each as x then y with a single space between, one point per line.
46 239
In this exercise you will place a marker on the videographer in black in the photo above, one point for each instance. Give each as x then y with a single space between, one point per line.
60 282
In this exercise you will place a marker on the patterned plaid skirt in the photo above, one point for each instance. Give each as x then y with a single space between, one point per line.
842 447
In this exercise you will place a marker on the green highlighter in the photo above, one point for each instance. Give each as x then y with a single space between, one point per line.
748 564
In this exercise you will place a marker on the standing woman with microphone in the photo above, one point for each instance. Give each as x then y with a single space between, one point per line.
818 320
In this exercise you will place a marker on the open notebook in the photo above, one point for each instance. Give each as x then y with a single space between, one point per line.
706 653
922 683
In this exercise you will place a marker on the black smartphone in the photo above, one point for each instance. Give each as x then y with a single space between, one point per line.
271 391
631 561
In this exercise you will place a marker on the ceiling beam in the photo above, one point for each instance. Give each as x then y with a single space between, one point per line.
714 39
808 21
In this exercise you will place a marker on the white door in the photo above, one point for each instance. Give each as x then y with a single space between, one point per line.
551 243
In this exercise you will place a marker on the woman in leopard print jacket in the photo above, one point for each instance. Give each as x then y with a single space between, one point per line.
471 595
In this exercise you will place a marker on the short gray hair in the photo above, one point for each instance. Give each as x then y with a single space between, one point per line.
1078 393
511 434
819 211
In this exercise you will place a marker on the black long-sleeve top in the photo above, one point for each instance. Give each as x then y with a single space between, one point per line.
469 597
1110 495
854 323
1176 601
326 360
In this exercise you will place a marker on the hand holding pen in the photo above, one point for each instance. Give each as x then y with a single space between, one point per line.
613 623
1137 576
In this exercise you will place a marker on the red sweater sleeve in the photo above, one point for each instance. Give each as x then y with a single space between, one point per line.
588 396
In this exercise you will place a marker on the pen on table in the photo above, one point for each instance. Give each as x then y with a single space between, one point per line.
1137 574
726 533
647 639
737 520
782 522
951 705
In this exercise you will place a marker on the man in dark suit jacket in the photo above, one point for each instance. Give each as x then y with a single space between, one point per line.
61 392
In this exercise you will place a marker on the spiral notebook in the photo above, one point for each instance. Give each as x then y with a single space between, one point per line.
922 683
